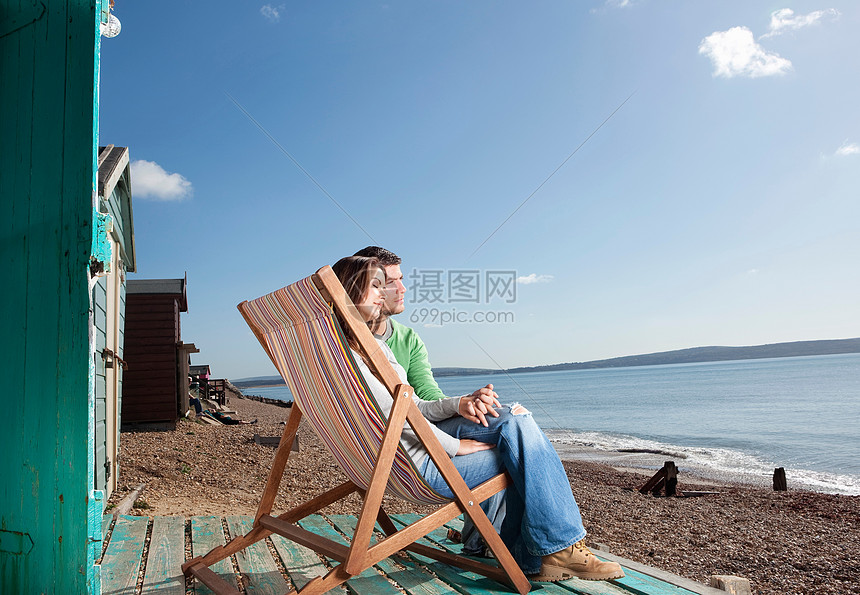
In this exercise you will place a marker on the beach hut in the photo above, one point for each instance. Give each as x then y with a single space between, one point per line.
155 387
199 372
54 244
108 307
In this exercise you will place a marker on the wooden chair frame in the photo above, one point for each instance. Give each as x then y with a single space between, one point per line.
360 554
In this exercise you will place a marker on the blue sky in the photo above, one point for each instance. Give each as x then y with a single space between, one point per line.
708 194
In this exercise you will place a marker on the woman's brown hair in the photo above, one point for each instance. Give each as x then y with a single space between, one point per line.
355 274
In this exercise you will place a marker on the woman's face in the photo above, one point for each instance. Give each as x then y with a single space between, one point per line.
371 304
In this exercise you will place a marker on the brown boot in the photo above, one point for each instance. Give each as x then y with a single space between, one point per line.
576 561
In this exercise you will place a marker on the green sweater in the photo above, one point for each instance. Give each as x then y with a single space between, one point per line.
411 353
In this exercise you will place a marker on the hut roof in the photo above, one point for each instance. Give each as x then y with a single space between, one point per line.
197 370
174 287
114 180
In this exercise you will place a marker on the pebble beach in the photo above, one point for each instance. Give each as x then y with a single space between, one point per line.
783 542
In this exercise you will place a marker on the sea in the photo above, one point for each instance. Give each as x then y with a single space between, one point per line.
730 420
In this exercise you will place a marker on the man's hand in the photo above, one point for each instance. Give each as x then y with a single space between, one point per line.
479 404
468 446
487 391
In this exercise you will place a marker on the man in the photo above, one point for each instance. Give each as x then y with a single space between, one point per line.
404 342
411 353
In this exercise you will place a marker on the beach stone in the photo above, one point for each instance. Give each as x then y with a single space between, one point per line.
735 585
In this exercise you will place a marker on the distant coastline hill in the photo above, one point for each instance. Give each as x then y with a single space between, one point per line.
679 356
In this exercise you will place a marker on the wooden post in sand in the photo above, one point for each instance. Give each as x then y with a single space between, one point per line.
665 479
671 477
779 483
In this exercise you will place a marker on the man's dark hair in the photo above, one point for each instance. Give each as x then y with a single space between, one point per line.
385 257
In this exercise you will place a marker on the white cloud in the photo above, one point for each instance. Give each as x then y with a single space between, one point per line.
613 4
272 13
848 149
736 53
534 278
149 180
784 20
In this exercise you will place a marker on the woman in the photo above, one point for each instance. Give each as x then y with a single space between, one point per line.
543 528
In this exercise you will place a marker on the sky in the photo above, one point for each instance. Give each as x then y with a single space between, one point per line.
564 181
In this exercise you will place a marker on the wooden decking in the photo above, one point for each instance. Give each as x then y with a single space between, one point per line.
144 555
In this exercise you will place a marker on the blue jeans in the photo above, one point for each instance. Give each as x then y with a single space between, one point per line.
542 516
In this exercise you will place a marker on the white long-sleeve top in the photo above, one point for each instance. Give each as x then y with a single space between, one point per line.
432 410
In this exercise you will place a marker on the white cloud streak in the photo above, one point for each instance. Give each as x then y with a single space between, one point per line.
784 20
149 180
534 278
736 53
848 149
272 13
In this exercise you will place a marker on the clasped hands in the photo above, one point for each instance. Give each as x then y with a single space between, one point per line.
476 407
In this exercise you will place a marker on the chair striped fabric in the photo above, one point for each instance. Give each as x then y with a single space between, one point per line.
302 337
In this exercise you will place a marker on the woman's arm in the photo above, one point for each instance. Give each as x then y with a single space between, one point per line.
409 439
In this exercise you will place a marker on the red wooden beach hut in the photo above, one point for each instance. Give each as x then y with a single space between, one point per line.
156 382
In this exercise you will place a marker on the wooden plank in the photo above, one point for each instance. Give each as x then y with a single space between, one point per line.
206 534
642 584
460 581
410 578
165 557
644 572
255 562
471 583
107 519
302 563
209 420
217 584
638 581
327 547
121 561
368 582
655 483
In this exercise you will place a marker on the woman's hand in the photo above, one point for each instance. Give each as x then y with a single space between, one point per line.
479 404
468 446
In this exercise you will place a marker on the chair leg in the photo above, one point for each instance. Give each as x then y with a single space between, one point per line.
280 463
357 559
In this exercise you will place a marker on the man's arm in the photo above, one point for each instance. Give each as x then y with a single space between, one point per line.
420 373
411 353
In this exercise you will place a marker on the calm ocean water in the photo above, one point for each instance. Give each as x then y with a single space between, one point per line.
736 419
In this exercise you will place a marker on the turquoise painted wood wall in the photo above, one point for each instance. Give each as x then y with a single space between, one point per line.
49 52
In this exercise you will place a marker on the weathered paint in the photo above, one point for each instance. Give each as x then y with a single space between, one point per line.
48 123
100 265
100 255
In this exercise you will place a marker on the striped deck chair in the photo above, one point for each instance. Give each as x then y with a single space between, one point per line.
297 328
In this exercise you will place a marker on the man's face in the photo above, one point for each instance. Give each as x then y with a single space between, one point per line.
394 291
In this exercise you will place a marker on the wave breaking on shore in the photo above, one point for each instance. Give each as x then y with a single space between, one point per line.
715 464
